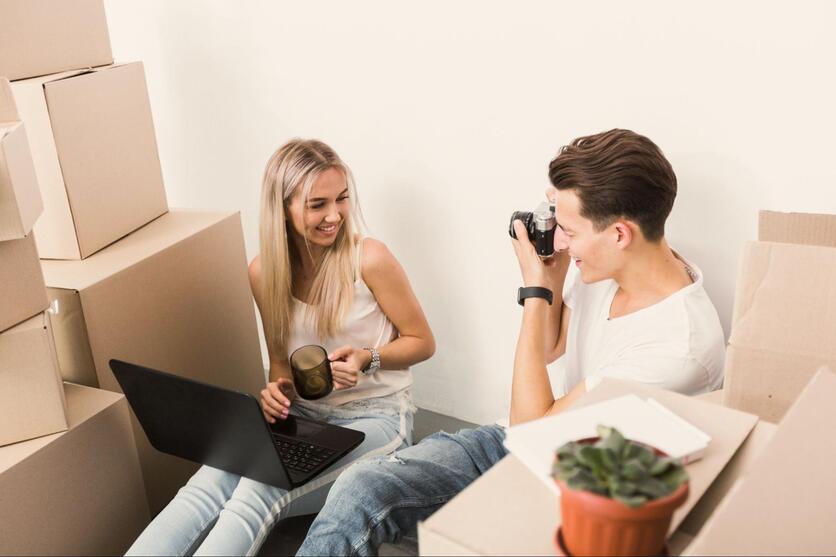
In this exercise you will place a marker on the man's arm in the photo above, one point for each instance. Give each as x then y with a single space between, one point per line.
556 270
531 391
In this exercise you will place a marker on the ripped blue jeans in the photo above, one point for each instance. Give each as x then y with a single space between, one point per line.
382 499
220 513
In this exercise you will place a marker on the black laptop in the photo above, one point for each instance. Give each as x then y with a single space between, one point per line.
226 429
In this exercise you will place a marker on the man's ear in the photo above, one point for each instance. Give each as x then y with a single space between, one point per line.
624 234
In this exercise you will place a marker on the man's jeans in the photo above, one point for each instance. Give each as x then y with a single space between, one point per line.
381 499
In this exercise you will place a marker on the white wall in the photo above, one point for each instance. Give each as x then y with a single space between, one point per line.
449 112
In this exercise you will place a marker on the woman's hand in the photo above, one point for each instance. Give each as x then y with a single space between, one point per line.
347 364
276 399
535 270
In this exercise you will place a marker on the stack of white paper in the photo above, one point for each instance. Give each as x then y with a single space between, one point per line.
645 421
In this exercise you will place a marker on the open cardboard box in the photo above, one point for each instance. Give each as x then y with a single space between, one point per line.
784 318
74 493
20 196
31 391
784 503
173 296
509 511
95 156
39 37
22 290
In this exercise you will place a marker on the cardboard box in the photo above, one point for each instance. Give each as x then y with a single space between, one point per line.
783 325
173 296
39 37
20 197
784 315
95 155
21 282
509 511
78 492
784 505
797 228
31 391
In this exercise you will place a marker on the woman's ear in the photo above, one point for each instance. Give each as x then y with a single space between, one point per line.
624 234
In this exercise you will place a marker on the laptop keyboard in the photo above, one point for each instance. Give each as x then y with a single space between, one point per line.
301 456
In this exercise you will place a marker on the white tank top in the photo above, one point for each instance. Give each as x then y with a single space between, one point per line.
365 326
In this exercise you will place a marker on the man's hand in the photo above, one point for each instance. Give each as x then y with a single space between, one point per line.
535 270
347 364
276 399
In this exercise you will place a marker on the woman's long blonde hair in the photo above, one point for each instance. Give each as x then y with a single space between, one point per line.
297 164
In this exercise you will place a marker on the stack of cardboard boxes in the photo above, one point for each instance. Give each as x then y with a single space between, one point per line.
123 277
31 394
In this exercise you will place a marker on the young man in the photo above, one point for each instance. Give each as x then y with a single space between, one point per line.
635 310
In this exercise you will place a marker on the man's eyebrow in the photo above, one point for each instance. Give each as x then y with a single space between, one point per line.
563 228
311 199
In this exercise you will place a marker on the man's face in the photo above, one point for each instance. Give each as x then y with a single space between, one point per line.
594 253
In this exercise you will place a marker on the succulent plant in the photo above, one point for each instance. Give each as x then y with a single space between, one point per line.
614 467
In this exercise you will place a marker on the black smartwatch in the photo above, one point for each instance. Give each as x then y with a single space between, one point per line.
534 292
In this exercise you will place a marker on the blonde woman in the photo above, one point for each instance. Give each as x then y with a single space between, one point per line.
315 281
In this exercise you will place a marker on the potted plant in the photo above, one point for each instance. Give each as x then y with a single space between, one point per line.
617 496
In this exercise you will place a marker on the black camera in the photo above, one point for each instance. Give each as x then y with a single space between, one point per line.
540 225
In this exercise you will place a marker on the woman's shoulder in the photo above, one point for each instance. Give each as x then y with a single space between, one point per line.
254 273
376 260
255 268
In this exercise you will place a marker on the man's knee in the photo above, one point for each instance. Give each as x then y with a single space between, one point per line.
366 480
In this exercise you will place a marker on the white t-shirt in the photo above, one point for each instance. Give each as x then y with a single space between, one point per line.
676 344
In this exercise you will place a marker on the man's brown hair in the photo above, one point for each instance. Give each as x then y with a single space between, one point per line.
618 174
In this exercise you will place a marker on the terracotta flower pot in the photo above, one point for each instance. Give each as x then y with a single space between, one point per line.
592 524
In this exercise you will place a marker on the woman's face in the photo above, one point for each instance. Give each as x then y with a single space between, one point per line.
320 217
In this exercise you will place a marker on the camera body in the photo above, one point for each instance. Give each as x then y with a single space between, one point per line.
540 224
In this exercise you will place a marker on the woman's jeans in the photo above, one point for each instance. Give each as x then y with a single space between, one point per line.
219 513
379 500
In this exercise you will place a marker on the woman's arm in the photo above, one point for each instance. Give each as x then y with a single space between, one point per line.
388 282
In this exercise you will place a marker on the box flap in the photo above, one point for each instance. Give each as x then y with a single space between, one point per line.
785 504
745 457
783 325
797 228
507 511
779 299
8 110
152 238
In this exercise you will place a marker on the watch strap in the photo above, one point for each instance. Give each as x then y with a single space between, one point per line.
374 364
534 292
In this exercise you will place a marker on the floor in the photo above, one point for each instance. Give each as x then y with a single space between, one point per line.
289 534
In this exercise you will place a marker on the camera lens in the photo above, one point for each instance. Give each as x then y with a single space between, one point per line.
526 217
